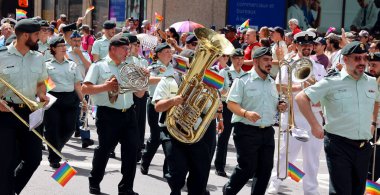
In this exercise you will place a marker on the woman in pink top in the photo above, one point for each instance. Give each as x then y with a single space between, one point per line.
87 40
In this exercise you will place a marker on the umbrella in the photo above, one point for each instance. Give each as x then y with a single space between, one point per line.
186 26
148 41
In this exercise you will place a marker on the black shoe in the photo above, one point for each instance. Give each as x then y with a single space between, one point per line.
143 170
55 165
77 134
95 190
87 142
128 192
112 154
221 173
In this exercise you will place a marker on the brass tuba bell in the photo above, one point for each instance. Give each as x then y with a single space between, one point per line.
189 121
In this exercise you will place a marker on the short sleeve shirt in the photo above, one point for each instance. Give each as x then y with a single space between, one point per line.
64 75
100 47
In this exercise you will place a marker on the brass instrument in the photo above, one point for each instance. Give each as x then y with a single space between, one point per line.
298 71
189 121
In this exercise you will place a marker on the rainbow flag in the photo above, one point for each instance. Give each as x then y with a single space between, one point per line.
64 174
20 14
159 18
212 79
245 25
295 173
181 63
150 57
372 188
89 9
49 84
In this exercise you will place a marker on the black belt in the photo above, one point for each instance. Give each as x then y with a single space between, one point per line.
262 126
355 143
114 109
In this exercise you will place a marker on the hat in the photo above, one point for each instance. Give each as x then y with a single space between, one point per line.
332 36
69 27
350 35
304 37
84 26
10 39
363 33
320 40
52 27
43 23
279 30
191 38
374 57
75 34
161 46
119 40
354 47
238 53
109 24
8 20
131 38
27 26
55 40
144 23
229 28
261 51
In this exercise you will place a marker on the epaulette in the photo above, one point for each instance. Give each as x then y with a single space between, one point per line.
332 72
98 60
50 59
3 48
245 74
227 68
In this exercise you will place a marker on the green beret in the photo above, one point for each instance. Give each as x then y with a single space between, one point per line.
119 40
109 24
131 38
374 57
238 53
354 47
261 51
27 26
69 27
55 40
43 23
161 46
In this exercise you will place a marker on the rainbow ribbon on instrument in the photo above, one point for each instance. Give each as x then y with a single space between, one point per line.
372 188
295 173
212 79
64 174
20 14
49 84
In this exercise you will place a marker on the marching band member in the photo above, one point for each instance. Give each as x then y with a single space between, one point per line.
60 119
101 45
116 122
348 98
253 100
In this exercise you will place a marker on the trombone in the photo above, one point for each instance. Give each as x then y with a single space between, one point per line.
33 106
297 71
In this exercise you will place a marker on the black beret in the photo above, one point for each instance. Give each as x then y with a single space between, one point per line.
131 38
109 24
261 51
354 47
238 52
161 46
191 38
43 23
69 27
55 40
304 37
10 39
374 56
119 40
27 26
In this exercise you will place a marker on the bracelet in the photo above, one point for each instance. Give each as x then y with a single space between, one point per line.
244 113
374 123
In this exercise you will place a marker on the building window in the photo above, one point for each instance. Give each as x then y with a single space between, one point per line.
48 10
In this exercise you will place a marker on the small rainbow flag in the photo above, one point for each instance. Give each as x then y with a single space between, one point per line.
372 188
212 79
49 84
64 174
150 57
245 25
89 9
159 18
181 63
295 173
20 14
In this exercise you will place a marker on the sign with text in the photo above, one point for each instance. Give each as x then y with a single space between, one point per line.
117 10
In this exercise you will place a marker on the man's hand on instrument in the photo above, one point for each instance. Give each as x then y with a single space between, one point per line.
220 126
252 116
282 106
317 131
2 107
146 72
45 99
84 105
112 84
177 100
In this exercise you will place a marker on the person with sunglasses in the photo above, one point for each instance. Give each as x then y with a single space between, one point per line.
348 99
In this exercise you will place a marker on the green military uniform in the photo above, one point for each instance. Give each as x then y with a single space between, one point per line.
100 47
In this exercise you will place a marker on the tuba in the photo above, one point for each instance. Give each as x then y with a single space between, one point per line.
300 70
189 121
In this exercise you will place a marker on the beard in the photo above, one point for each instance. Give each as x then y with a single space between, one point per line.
263 70
32 45
306 52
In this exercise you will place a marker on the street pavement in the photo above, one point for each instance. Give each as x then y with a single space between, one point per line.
152 184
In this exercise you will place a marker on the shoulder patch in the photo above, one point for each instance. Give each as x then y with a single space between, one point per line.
332 73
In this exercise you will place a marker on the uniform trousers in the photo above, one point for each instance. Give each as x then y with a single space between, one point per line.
114 126
255 149
347 161
154 140
377 161
140 108
17 145
60 121
186 158
223 138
